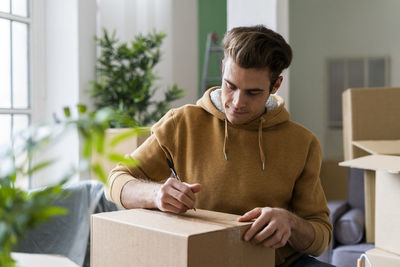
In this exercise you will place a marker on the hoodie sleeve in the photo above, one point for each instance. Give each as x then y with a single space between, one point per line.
309 201
151 156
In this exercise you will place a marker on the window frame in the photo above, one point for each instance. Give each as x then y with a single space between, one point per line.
35 57
338 124
28 21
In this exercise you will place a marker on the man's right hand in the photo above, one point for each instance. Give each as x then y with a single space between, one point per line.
176 197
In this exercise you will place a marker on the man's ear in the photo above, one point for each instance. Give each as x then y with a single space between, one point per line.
277 84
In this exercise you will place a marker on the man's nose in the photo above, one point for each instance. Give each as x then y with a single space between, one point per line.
238 99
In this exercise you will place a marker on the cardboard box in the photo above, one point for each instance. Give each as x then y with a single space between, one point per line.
41 260
369 114
382 196
379 257
148 238
374 147
379 147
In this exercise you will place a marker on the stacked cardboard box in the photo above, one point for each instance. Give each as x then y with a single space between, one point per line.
384 193
370 114
148 238
379 257
382 163
371 137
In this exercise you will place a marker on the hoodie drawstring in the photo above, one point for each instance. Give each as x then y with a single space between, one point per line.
226 139
260 145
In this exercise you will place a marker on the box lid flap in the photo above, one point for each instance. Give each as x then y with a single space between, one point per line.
186 224
375 162
382 253
383 147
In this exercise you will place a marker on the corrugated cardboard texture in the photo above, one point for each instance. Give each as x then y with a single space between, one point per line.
227 250
152 238
379 257
369 114
387 228
334 180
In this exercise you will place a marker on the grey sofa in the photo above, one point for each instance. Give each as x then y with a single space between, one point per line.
347 217
68 235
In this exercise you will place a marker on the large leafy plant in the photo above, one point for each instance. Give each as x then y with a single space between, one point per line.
126 78
21 211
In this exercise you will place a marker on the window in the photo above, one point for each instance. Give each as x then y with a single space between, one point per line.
15 82
344 73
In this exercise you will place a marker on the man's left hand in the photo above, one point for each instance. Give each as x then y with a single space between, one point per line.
272 227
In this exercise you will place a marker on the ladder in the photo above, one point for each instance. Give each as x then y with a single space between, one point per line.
212 47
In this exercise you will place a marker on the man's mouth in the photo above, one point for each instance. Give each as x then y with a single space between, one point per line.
238 112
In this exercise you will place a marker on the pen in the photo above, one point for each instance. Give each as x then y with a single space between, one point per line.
174 174
171 166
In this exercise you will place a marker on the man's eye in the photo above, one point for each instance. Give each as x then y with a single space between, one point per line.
254 92
230 86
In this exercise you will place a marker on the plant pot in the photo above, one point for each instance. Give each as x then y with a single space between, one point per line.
124 147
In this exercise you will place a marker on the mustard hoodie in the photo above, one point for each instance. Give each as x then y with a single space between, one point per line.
270 161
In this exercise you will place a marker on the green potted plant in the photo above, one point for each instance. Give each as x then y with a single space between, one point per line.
126 84
21 211
126 78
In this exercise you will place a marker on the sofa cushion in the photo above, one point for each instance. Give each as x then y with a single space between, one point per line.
355 188
349 229
346 256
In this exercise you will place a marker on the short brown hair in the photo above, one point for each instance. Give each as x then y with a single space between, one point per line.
258 47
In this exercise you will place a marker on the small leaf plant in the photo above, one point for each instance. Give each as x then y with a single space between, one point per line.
20 210
126 78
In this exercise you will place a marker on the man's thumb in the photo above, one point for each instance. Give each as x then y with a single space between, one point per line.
195 187
250 215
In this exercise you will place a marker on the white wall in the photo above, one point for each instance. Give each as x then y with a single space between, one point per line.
251 12
178 18
341 28
185 48
272 13
69 60
66 62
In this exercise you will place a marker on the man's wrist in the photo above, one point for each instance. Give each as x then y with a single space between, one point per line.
154 195
293 221
302 233
139 194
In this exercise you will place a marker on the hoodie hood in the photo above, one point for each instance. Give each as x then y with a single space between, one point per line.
275 114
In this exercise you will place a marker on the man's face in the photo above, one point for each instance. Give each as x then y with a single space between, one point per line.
245 92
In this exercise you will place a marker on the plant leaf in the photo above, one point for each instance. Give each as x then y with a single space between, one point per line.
128 161
128 134
98 170
67 112
40 166
81 108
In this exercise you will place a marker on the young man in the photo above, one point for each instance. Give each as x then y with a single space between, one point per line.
236 151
